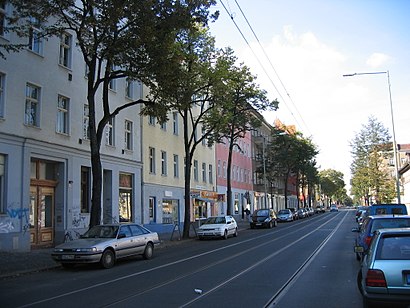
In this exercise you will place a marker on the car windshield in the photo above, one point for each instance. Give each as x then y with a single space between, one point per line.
390 223
101 232
215 220
262 213
394 248
283 212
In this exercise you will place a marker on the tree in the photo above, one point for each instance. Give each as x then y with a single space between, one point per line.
288 154
242 102
193 83
118 39
371 147
332 185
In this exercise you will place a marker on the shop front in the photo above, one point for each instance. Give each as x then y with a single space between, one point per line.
205 204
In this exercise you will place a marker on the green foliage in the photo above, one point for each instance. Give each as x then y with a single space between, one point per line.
371 147
332 185
117 39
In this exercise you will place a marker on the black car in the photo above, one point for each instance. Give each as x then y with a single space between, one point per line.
264 218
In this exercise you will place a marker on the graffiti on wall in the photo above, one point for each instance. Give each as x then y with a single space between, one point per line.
15 215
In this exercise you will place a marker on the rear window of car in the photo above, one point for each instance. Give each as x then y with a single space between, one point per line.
390 223
394 248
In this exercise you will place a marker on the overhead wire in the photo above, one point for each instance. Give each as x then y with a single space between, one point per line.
262 66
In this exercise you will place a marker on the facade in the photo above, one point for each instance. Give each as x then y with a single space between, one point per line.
241 175
163 175
45 170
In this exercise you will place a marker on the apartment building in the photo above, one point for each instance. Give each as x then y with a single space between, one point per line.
45 169
241 175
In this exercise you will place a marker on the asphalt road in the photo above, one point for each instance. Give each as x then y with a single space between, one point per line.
306 263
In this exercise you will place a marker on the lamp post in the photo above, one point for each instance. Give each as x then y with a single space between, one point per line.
396 161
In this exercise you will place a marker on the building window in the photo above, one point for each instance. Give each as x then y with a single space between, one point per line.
85 189
3 13
169 211
63 105
2 94
196 170
151 160
129 88
2 183
224 169
128 135
86 120
32 108
176 166
163 163
164 126
65 50
125 198
203 172
151 120
109 132
219 168
203 136
175 122
151 208
35 39
211 174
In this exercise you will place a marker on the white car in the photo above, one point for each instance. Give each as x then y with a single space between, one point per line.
285 215
218 226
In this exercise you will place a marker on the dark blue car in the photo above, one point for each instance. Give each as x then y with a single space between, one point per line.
373 223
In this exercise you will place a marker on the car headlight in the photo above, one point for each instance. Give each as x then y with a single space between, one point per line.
267 219
92 249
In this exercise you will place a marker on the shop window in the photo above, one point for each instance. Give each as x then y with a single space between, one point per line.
151 208
169 211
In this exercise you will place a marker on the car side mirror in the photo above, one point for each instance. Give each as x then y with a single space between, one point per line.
121 235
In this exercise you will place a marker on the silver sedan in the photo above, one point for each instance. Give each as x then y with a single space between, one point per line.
384 276
107 243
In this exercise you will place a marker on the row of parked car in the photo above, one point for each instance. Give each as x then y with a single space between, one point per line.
383 247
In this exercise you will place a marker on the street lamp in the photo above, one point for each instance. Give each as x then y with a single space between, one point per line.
396 162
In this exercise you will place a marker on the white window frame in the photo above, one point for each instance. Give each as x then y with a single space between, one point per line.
203 172
176 166
163 163
175 123
86 120
151 156
32 105
196 170
128 144
66 42
109 132
129 88
2 93
63 109
211 174
35 39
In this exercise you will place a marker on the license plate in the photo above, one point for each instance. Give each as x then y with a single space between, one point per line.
358 249
259 224
67 257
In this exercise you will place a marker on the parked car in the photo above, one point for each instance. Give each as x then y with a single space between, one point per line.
310 211
334 208
373 223
294 213
218 226
384 275
302 213
264 218
106 244
388 208
319 209
285 215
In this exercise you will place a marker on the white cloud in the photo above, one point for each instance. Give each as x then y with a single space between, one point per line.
377 60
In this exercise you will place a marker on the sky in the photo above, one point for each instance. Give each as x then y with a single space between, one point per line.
300 49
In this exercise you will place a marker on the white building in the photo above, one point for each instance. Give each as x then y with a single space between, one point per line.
45 173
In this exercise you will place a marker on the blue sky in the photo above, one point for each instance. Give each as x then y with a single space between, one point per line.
311 44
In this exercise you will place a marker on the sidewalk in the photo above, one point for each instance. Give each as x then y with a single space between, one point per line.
19 263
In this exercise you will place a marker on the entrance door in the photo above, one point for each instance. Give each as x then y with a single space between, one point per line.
41 215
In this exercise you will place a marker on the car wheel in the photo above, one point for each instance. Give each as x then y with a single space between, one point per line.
108 259
148 252
68 265
236 232
225 235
